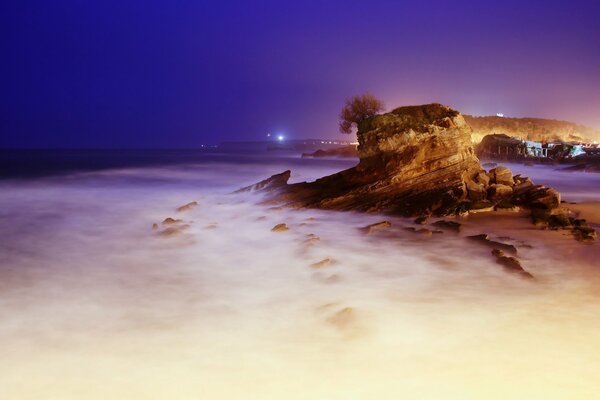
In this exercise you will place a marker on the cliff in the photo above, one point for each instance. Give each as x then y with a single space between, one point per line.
535 129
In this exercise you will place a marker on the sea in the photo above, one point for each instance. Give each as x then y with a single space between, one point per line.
98 302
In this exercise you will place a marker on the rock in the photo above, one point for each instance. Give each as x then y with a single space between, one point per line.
482 178
542 197
498 192
171 221
312 239
326 262
154 226
412 162
173 231
480 207
187 206
476 191
485 239
342 318
276 181
522 186
345 151
450 225
377 226
280 228
421 220
211 226
511 264
585 234
501 175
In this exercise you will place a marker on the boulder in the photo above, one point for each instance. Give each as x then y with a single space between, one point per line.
377 226
326 262
476 191
187 206
274 182
280 228
482 178
501 175
498 192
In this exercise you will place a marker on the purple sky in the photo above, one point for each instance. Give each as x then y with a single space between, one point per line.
183 73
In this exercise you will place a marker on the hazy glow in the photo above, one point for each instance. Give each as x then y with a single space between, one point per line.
95 306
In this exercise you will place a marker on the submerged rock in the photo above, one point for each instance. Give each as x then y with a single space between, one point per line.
451 225
485 239
187 206
280 228
173 231
511 264
377 226
323 263
171 221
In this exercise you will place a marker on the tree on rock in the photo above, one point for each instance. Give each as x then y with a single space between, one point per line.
357 109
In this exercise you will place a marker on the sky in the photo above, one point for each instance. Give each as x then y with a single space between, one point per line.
185 73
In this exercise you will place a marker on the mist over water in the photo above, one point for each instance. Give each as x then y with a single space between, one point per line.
95 304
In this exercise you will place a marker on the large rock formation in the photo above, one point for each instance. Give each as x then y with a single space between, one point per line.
535 129
415 161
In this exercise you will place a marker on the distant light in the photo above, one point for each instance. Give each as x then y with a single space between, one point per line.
500 115
268 135
280 138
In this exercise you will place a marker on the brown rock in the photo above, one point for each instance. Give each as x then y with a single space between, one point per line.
485 240
501 175
511 264
326 262
280 228
483 178
312 239
476 191
412 162
343 317
377 226
498 192
173 231
450 225
421 220
187 206
276 181
171 221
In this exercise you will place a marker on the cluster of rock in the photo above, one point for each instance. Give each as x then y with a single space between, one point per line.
499 189
415 161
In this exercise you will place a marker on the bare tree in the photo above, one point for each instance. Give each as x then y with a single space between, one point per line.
357 109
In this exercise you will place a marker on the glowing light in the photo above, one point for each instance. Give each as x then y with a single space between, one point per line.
500 115
280 138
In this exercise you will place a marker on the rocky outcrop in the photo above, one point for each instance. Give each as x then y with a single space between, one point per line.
415 161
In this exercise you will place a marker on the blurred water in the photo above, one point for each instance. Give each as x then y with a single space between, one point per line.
94 304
